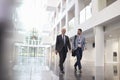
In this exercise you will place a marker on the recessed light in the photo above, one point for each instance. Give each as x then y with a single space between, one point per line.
110 36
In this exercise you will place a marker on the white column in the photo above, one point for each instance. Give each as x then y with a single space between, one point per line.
98 5
99 46
28 53
6 8
60 26
77 13
99 52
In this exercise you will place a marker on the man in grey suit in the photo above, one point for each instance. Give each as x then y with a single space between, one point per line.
62 45
78 45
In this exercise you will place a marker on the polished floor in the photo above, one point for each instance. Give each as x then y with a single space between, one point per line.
34 68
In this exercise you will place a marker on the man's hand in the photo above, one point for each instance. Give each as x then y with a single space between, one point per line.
70 51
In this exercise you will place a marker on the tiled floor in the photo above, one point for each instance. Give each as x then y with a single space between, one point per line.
34 68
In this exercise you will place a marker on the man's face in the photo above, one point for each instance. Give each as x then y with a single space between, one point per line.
63 31
79 32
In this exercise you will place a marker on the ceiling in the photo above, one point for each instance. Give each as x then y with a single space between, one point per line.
112 34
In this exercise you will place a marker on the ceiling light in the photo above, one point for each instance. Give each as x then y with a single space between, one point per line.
110 36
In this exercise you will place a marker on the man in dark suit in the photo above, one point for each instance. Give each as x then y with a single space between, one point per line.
62 45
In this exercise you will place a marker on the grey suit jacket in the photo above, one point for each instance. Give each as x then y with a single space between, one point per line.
75 44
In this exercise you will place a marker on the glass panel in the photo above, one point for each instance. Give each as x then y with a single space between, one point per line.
71 24
69 1
88 12
82 16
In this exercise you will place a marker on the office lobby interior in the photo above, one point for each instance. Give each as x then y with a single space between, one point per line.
28 31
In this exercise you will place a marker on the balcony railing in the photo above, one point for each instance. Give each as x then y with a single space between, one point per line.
86 13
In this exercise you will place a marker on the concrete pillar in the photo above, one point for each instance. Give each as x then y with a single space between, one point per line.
60 26
98 5
99 53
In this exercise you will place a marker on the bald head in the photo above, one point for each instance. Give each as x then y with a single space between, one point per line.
63 31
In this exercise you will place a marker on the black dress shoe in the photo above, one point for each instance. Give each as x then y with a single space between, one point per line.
62 72
80 71
75 68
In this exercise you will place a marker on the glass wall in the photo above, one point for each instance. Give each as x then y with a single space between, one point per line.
71 24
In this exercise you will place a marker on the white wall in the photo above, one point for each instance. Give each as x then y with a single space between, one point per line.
19 37
89 54
119 50
111 46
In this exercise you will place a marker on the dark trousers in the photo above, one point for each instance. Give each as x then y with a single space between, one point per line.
79 57
62 55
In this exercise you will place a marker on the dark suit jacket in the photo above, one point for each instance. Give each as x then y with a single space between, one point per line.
60 43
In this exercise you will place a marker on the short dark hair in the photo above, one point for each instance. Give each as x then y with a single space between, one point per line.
80 30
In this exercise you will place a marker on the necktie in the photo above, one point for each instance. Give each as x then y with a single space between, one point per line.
64 39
